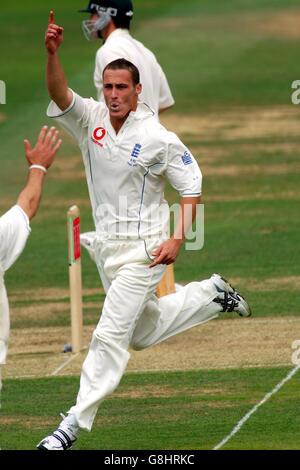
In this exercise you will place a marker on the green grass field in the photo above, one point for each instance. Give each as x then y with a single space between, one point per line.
185 413
230 66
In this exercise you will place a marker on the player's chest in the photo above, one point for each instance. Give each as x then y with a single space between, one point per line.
129 150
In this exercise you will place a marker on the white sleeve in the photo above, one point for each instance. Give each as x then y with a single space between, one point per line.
182 169
14 231
74 119
165 96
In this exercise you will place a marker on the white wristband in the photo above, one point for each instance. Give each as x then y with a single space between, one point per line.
40 167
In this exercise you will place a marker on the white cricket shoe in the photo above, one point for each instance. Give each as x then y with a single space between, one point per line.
63 437
229 299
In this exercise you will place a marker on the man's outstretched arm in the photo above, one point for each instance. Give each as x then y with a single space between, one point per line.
55 77
41 158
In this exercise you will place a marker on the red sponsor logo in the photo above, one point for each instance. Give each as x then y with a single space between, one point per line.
76 238
74 251
98 135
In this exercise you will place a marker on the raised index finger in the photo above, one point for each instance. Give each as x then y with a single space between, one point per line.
51 18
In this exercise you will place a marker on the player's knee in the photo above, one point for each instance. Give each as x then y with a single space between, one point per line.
137 345
114 345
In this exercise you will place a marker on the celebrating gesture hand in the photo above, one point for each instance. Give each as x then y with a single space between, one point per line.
53 35
45 149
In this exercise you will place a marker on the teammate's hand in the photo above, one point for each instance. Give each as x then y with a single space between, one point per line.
45 149
53 35
166 253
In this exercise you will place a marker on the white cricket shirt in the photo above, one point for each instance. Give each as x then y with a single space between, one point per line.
127 172
120 44
14 231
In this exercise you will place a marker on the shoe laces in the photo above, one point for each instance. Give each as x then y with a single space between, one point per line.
228 303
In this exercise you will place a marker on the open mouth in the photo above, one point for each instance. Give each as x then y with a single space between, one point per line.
115 107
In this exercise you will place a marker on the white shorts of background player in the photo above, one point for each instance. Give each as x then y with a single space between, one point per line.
132 316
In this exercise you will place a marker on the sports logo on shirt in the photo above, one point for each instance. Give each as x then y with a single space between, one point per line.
98 135
134 155
186 158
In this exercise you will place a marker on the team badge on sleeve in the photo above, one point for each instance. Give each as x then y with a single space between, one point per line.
186 158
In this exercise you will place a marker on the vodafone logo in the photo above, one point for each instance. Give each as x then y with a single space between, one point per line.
98 135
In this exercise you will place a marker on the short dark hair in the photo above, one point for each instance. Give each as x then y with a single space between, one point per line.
124 64
121 22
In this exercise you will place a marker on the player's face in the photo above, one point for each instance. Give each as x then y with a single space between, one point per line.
120 93
94 17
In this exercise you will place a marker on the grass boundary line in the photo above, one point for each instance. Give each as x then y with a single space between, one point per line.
247 415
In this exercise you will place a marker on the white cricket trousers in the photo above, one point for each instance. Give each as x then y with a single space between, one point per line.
4 320
132 316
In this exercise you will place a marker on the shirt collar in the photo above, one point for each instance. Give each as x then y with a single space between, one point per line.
117 33
143 111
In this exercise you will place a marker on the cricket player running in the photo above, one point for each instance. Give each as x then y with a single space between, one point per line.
15 223
128 156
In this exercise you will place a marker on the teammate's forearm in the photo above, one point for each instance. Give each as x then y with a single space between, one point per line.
57 82
188 210
29 198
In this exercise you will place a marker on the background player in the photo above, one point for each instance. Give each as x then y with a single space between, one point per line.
110 21
14 224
